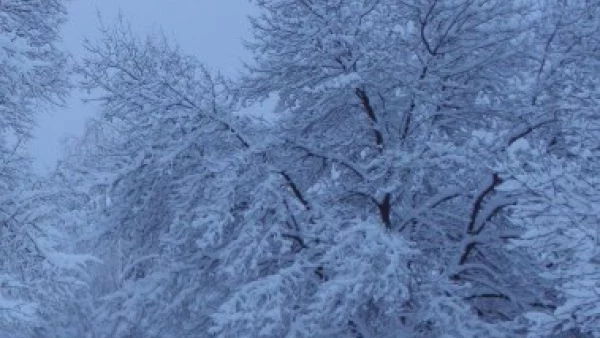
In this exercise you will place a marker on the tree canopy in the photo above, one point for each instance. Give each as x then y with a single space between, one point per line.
431 171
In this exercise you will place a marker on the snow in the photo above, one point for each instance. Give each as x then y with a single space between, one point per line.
189 209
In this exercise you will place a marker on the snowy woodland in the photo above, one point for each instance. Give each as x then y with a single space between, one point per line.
431 169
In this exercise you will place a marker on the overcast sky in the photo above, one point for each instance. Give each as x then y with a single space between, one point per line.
212 30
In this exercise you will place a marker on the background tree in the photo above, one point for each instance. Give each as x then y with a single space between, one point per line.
161 162
38 278
558 165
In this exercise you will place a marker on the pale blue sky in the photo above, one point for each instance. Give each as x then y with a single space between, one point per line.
212 30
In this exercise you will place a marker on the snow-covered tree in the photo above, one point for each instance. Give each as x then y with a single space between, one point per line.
431 173
33 73
162 163
558 164
392 97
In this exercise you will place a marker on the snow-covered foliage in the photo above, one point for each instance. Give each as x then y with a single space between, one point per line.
433 172
393 96
30 63
404 190
42 281
559 169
